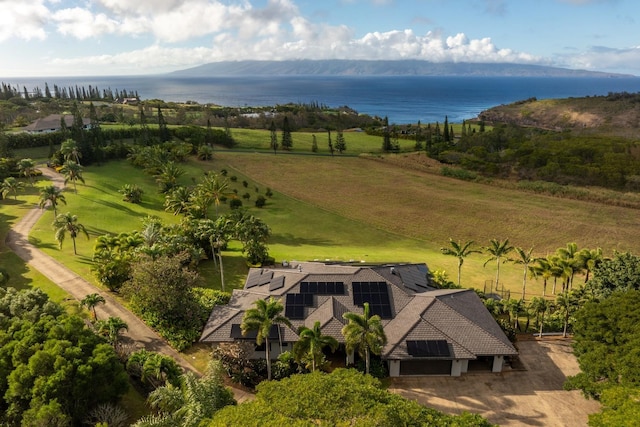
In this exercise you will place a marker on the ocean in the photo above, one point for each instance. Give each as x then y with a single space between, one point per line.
403 99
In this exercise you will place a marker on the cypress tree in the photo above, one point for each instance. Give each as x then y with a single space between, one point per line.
287 141
386 136
274 137
446 136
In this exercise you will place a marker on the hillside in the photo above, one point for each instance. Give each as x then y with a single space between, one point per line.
344 67
614 114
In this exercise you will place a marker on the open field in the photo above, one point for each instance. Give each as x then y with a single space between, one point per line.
353 208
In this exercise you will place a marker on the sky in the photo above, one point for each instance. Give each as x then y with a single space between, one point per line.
41 38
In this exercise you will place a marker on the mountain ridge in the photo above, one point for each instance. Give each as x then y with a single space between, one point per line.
407 67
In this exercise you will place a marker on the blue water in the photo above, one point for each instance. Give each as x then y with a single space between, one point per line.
402 99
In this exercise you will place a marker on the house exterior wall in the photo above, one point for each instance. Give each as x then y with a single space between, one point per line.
497 363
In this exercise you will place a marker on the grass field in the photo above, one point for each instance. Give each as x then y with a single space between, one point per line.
354 208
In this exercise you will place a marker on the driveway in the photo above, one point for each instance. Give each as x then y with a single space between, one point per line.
530 396
139 334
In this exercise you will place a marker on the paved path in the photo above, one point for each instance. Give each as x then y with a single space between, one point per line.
139 333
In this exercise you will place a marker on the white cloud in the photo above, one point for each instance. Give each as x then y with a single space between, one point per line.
23 20
82 24
604 58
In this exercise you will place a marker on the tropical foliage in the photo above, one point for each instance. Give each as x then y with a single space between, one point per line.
364 333
68 224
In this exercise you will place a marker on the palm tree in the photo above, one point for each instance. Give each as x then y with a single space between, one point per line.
571 255
27 168
525 259
311 343
177 201
67 223
261 319
566 302
111 328
497 251
590 259
91 301
154 368
542 268
540 306
515 307
72 171
53 195
460 251
214 188
11 185
70 151
168 176
365 334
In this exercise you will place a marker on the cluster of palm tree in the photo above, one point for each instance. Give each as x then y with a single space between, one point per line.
71 169
363 333
11 185
564 264
110 328
512 310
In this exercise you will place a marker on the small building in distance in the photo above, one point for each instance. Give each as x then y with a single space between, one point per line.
52 122
429 331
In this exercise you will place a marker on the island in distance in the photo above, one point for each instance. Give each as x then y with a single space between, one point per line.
346 67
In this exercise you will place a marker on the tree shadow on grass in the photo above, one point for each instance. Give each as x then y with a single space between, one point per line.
116 206
38 243
289 239
17 269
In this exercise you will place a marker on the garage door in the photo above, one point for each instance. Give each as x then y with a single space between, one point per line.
425 367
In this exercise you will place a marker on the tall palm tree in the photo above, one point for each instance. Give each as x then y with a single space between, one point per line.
91 301
11 185
540 306
542 268
566 302
497 250
460 251
70 151
67 223
27 168
515 307
365 334
524 258
215 187
52 195
72 171
260 319
311 343
571 255
177 201
590 259
111 328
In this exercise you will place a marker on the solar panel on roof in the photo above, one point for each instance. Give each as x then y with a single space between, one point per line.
322 288
276 283
252 281
236 333
265 278
428 348
374 293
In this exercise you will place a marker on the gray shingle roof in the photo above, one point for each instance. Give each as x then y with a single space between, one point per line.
419 312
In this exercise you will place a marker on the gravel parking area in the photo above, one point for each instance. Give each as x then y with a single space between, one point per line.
530 395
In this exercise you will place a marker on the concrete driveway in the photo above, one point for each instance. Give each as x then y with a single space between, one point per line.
530 396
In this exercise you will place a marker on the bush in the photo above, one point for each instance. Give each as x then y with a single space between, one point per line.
246 196
131 193
235 203
260 202
268 193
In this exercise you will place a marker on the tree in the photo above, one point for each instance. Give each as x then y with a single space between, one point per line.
168 176
214 187
11 185
566 302
365 334
70 151
190 402
91 301
460 251
273 137
161 292
341 144
542 268
177 201
345 397
314 144
287 141
72 171
111 329
589 259
446 136
154 368
309 346
131 193
497 251
27 168
52 195
571 255
620 273
67 223
165 134
260 319
524 258
386 135
540 306
331 150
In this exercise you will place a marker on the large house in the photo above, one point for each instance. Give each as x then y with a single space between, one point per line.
52 123
429 331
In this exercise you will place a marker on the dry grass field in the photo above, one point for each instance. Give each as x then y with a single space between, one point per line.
430 209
